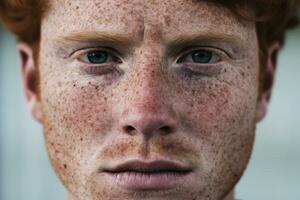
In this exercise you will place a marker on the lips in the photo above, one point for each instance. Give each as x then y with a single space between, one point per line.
137 174
148 167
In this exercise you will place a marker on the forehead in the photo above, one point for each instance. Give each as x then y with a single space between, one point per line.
137 17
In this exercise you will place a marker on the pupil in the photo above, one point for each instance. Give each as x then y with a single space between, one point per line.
97 57
202 56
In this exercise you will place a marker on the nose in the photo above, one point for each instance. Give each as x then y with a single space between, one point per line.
142 120
148 109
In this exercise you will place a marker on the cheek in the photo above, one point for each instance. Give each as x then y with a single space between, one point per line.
224 119
221 104
77 107
216 115
75 117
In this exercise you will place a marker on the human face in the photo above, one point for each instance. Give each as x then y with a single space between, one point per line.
151 81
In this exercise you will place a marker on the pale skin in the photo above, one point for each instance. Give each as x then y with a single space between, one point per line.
150 99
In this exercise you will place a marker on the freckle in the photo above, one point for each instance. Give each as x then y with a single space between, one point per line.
77 7
97 87
167 20
65 166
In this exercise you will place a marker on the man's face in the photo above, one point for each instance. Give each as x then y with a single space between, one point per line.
148 81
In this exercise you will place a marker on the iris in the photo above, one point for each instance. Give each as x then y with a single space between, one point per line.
97 57
202 56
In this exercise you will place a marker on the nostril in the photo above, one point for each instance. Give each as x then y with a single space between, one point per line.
166 129
128 129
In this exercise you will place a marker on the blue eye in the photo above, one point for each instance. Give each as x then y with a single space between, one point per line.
97 57
202 56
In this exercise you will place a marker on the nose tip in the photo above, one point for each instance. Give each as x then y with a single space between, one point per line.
148 124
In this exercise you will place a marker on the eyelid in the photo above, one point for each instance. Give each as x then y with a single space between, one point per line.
79 52
220 52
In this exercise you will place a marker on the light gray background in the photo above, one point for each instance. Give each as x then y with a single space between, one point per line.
273 172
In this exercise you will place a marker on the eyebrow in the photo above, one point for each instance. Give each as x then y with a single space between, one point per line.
185 39
99 37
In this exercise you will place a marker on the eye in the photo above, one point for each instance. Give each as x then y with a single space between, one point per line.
205 62
98 61
200 57
97 57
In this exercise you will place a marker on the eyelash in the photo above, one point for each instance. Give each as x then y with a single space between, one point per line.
219 53
80 53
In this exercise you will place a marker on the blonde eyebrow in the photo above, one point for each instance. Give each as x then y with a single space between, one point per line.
203 37
107 37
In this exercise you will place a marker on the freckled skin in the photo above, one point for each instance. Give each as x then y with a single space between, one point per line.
212 118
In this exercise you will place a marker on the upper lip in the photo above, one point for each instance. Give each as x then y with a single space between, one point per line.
153 166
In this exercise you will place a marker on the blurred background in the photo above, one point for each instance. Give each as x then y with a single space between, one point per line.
273 172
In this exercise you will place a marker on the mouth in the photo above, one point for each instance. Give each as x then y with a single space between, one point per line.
154 175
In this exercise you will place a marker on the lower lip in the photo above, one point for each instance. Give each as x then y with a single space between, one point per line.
148 181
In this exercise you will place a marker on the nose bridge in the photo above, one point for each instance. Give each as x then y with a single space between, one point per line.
149 83
147 109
